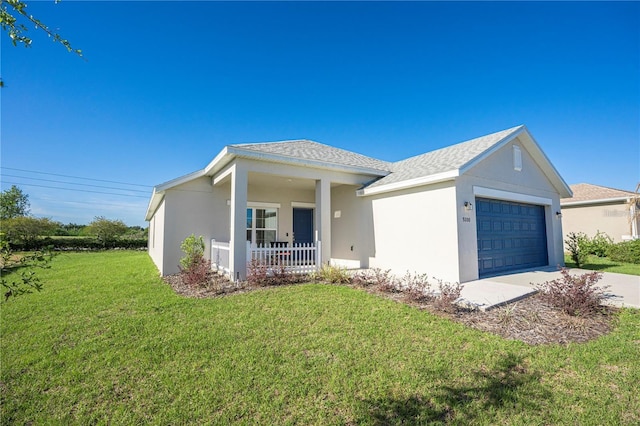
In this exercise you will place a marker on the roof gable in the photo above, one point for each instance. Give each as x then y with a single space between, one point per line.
444 161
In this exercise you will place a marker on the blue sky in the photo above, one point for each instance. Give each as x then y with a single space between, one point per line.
165 85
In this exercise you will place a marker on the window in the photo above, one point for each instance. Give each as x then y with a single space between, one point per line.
262 225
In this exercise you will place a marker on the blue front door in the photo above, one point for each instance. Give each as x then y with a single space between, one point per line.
302 226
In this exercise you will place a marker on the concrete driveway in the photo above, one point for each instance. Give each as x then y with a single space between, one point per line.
487 293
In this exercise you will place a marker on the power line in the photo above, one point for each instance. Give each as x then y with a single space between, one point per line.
80 184
78 205
77 190
75 177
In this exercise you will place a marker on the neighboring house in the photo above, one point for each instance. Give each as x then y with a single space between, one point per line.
596 208
483 207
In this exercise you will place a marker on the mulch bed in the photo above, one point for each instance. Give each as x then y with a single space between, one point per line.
529 320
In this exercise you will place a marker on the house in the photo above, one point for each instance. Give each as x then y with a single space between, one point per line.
595 208
483 207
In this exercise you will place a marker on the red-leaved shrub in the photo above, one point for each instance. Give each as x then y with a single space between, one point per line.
576 295
196 273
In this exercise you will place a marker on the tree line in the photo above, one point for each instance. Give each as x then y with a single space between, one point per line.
19 228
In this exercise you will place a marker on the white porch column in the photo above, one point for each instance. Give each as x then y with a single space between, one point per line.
238 244
323 217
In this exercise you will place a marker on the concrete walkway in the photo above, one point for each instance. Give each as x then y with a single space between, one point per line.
488 293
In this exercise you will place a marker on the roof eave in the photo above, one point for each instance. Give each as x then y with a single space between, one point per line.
154 202
598 201
410 183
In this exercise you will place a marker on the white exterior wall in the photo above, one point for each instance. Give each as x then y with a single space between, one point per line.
415 231
156 237
530 185
195 207
351 228
610 218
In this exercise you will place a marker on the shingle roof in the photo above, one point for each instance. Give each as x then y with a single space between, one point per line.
589 192
314 151
442 160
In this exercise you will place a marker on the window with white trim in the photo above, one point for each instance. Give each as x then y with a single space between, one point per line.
262 225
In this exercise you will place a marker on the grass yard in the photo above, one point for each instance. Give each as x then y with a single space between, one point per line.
108 342
605 264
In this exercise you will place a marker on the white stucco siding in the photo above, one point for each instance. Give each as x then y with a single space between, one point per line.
198 208
156 237
529 185
415 231
350 222
610 218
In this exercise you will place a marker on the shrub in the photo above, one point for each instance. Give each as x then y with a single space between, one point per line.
197 274
193 249
627 251
576 245
258 274
577 295
417 287
448 294
333 275
194 268
598 245
372 277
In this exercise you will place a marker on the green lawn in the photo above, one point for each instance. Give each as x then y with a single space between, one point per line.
606 265
107 342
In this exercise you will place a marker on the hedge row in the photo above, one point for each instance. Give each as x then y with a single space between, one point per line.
84 243
627 251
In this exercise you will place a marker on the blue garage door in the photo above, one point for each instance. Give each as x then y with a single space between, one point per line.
511 236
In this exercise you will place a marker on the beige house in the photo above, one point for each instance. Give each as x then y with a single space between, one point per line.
595 209
483 207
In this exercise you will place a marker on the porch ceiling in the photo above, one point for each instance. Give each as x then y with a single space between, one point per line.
280 181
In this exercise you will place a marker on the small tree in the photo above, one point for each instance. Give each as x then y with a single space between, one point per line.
13 203
105 230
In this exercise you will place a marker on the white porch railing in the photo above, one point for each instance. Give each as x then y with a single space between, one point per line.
220 255
299 259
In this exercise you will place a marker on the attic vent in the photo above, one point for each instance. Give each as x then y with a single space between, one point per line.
517 158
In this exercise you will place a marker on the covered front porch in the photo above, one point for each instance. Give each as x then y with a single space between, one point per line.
279 215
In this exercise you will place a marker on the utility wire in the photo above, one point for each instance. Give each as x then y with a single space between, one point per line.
77 190
80 184
75 177
83 205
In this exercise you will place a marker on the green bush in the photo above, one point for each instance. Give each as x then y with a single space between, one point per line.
627 251
577 246
598 245
332 275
